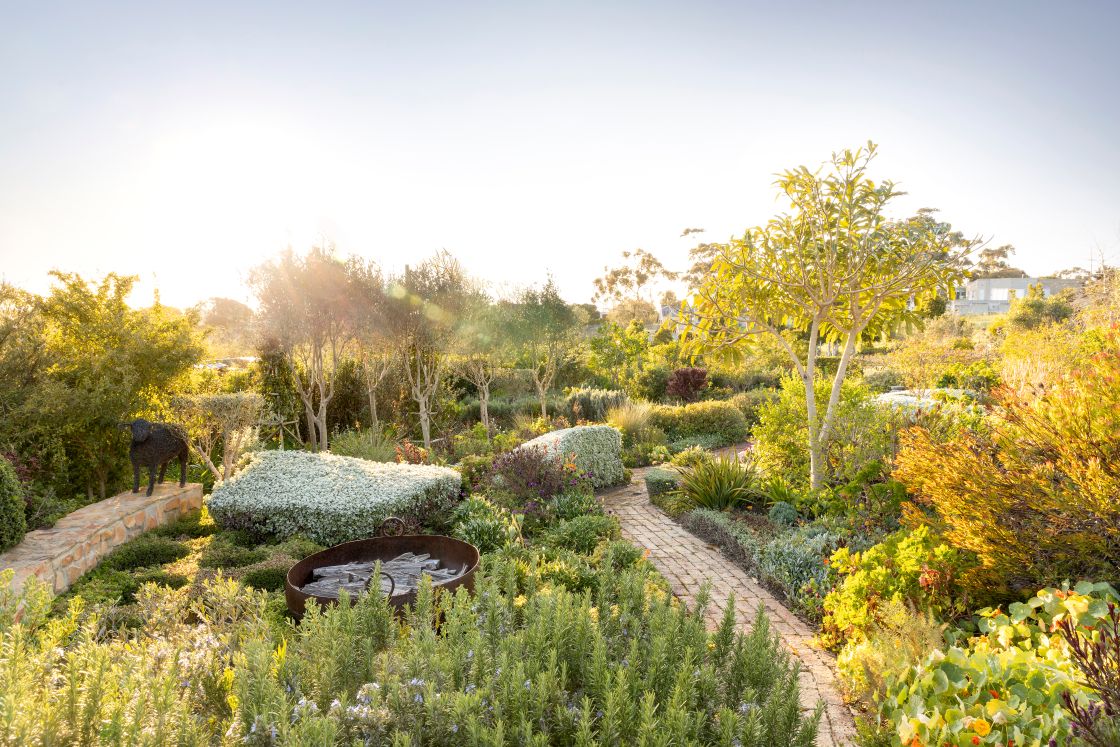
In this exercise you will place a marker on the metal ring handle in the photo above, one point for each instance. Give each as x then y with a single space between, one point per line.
392 584
392 526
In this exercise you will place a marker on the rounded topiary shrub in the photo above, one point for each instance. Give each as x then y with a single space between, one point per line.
13 522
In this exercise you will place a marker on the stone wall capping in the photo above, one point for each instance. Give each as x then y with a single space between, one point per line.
78 541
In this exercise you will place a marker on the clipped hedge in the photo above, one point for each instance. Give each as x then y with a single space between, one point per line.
327 498
721 421
595 449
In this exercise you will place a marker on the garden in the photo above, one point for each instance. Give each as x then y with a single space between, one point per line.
960 557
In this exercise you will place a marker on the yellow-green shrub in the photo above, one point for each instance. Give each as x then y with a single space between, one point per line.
1034 499
908 567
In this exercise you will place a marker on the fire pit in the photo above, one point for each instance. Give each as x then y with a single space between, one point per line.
451 563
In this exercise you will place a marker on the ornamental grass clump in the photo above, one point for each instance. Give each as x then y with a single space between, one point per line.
720 484
327 498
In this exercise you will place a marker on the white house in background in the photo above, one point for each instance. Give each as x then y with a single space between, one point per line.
993 295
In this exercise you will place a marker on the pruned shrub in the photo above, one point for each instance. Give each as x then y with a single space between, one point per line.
659 481
224 555
328 498
594 450
750 401
721 421
13 521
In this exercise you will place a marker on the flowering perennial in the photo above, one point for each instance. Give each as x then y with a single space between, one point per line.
328 498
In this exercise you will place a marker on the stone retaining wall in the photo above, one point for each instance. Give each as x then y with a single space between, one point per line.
78 542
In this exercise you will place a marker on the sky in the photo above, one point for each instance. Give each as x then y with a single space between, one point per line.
186 143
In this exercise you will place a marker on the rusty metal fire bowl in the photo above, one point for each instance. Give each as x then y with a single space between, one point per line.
450 552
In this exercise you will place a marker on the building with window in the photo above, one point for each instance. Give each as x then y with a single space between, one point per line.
994 295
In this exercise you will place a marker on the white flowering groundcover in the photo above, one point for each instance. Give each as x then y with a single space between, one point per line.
596 449
327 498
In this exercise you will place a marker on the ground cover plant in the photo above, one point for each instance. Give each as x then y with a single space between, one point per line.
330 499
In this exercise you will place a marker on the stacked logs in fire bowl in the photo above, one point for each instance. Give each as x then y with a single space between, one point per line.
451 563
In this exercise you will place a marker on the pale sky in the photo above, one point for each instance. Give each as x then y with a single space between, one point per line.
187 144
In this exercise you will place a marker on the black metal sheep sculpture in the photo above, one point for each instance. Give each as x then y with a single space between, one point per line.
154 445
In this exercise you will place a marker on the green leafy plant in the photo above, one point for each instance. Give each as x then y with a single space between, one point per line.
861 431
783 514
145 551
482 524
574 503
1006 682
583 533
721 484
691 456
911 567
795 562
13 522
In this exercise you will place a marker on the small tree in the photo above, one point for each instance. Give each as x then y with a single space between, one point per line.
228 421
479 347
313 306
543 330
835 269
107 361
426 305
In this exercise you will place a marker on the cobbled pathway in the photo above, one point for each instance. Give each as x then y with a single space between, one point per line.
688 562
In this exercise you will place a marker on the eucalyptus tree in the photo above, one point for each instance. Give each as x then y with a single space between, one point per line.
425 306
314 307
834 268
542 329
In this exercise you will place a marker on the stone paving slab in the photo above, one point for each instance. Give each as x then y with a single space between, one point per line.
78 541
687 562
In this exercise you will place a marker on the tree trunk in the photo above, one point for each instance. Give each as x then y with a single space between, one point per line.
372 392
541 392
483 406
425 420
809 377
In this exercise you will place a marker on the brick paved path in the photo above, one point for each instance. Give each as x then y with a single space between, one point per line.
687 562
